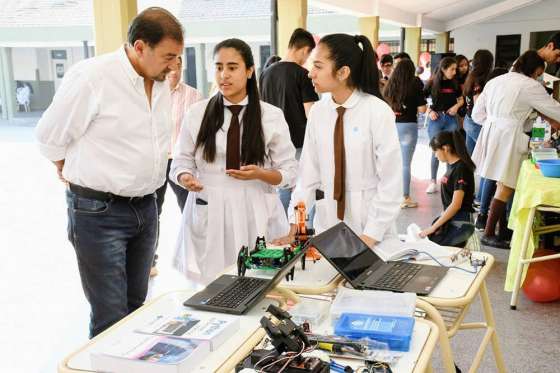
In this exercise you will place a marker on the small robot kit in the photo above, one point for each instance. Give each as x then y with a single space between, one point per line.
290 343
264 258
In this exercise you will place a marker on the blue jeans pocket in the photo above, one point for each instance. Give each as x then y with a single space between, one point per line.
89 206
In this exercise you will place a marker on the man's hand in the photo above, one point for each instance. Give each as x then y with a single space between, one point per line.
433 115
59 166
368 240
249 172
452 111
190 182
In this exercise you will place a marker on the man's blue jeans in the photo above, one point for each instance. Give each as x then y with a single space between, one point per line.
445 122
114 243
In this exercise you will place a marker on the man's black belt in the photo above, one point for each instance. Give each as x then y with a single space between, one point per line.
102 196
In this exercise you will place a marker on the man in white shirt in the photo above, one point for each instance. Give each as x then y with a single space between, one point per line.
107 131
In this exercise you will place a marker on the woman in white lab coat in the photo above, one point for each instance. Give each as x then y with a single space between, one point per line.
232 152
504 108
351 159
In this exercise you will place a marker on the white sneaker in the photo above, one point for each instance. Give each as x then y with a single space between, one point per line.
432 188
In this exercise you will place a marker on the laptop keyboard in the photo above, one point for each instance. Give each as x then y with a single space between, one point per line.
233 295
398 276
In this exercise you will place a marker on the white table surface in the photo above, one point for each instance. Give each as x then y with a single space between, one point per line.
172 303
456 282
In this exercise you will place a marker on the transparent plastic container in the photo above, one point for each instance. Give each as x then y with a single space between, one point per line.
313 311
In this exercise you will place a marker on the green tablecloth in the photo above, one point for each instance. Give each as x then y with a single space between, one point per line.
532 190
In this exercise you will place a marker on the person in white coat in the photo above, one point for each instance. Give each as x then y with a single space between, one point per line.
504 108
351 167
232 152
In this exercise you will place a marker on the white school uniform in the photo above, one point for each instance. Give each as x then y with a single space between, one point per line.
373 166
238 210
503 108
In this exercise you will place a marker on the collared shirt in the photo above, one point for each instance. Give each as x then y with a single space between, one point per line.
280 152
373 172
101 123
182 97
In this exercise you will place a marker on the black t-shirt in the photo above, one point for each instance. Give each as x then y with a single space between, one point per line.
469 99
287 86
458 177
409 109
448 93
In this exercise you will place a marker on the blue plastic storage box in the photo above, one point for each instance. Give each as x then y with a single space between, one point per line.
395 331
550 167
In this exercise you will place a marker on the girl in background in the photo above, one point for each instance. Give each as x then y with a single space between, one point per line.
447 98
463 69
504 107
454 226
483 61
403 93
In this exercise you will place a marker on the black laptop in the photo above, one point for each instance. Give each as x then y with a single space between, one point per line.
235 294
364 269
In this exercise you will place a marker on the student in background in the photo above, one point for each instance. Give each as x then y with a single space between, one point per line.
182 97
399 57
386 68
454 226
463 69
503 107
403 93
550 52
285 84
447 98
486 187
350 167
270 61
232 152
482 62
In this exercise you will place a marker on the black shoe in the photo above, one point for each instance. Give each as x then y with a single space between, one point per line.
494 241
506 236
480 222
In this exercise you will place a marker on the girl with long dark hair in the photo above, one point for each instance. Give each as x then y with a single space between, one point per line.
447 98
403 92
503 109
233 151
351 162
463 69
482 63
454 226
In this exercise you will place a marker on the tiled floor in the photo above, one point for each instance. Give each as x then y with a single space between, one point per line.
44 315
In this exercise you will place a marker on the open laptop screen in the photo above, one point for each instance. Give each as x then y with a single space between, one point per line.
345 250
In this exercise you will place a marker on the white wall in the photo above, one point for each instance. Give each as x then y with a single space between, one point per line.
24 63
542 16
27 60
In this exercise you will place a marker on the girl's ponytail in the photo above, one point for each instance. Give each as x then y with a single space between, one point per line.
461 149
368 80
